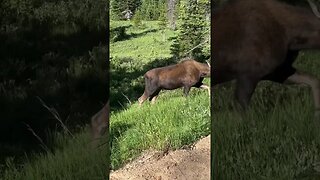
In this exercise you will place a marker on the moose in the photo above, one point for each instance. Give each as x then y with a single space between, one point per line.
100 122
187 73
257 40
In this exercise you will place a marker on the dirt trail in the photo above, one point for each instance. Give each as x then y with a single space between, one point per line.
184 164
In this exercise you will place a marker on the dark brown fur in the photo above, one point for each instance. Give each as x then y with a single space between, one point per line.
256 40
186 74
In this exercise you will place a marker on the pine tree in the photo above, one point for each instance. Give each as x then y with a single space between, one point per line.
163 14
192 29
119 6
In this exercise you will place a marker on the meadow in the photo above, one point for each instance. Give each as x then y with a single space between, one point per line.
174 121
278 138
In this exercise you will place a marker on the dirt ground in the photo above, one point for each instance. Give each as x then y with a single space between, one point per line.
185 164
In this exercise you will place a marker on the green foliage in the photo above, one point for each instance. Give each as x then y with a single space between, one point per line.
51 50
163 16
143 44
152 10
20 14
118 6
148 9
137 18
192 29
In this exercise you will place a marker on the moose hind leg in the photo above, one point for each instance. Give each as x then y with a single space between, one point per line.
154 96
143 98
150 89
314 83
244 90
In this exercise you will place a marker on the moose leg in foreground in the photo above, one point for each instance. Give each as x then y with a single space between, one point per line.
100 122
244 90
260 40
314 83
188 73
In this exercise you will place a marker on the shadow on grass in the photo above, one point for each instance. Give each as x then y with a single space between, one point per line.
119 33
136 35
116 131
38 61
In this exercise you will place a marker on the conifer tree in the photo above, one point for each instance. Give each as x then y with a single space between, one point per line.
193 29
119 6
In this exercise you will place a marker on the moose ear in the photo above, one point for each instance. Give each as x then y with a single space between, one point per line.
208 63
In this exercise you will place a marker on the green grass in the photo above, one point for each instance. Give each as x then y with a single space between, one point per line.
142 49
172 122
143 44
278 138
75 159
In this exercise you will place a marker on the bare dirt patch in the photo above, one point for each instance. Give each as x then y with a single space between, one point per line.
192 163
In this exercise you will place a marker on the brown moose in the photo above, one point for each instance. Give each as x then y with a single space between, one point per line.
187 73
256 40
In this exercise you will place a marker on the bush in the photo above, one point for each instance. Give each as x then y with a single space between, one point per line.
137 19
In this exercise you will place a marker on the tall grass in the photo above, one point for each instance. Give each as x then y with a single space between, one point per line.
75 159
278 138
172 122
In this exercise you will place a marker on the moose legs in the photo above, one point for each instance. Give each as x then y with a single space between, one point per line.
152 95
314 83
151 91
244 90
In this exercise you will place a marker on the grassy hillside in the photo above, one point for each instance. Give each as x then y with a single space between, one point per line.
173 122
278 138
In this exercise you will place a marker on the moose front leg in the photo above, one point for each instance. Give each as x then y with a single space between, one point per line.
186 90
204 86
244 90
313 82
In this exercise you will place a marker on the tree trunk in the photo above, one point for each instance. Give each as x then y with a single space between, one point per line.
172 14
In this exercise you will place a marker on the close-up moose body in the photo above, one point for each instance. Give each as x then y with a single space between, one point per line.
260 40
